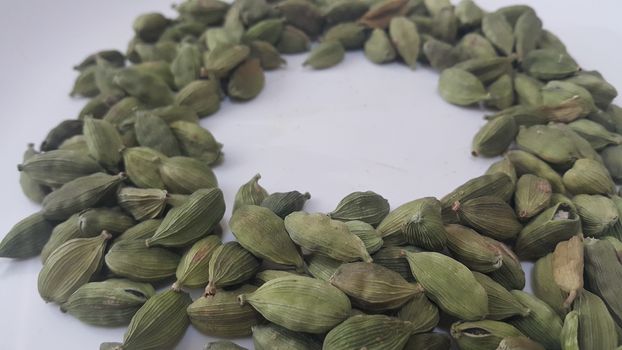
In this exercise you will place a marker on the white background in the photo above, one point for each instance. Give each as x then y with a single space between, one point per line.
356 127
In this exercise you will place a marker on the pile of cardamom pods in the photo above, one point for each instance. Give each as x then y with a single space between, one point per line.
130 202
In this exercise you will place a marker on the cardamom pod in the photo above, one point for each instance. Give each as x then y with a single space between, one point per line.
532 196
392 258
26 238
588 176
63 232
429 341
94 221
598 213
422 314
197 142
603 269
229 265
489 215
458 86
187 65
201 96
132 259
424 226
143 204
193 268
597 330
568 267
142 166
595 134
325 55
503 166
542 324
273 337
322 267
285 203
140 231
247 80
381 13
223 345
527 31
368 207
472 249
510 274
498 185
34 190
497 29
494 137
501 303
549 64
251 193
292 41
185 175
369 332
56 168
570 332
482 335
378 48
367 233
544 286
155 133
612 156
519 343
148 88
526 163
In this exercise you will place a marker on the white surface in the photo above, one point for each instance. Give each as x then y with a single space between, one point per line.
356 127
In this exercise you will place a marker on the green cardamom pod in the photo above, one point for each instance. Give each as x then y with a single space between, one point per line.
201 96
251 193
542 324
70 266
266 275
597 329
247 80
544 286
440 55
293 41
498 185
307 16
489 215
510 274
113 57
405 37
153 132
526 163
368 207
84 85
472 249
143 204
149 26
378 48
503 166
532 196
449 284
291 302
494 137
367 233
34 190
187 65
474 45
63 232
528 90
205 12
197 142
268 56
132 259
221 60
598 213
229 265
501 93
392 227
381 13
272 337
285 203
56 168
487 69
422 314
549 64
325 55
501 303
110 303
221 315
190 221
140 231
519 343
392 258
263 233
570 332
26 238
497 29
79 194
429 341
602 92
193 268
603 270
459 87
98 106
568 267
268 30
445 24
345 11
469 13
142 166
482 335
527 31
350 34
370 332
424 227
123 111
185 175
566 101
612 158
588 176
94 221
595 134
223 345
322 267
320 234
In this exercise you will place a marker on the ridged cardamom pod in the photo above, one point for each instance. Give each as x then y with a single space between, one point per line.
70 266
273 337
474 45
153 132
160 323
603 270
392 227
366 284
380 14
542 324
489 215
185 175
528 90
34 190
197 142
340 12
526 163
588 176
263 233
202 96
133 260
501 93
221 60
320 234
499 31
82 193
568 267
291 303
553 145
63 232
325 55
519 343
367 233
527 31
285 203
140 231
190 221
110 303
187 65
60 133
487 69
266 275
510 274
472 249
251 193
544 286
104 142
149 26
223 345
424 225
597 135
422 314
378 48
501 303
229 265
293 40
569 336
193 268
26 238
94 221
532 196
322 267
368 207
405 37
460 87
148 88
494 137
142 166
221 315
449 292
392 258
56 168
549 64
597 329
143 204
541 234
428 341
566 102
602 92
498 185
482 335
598 213
369 332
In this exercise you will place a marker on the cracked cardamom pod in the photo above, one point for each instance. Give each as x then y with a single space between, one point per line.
449 284
132 259
367 233
489 215
221 315
568 267
501 303
532 196
494 137
70 266
251 193
142 166
56 168
155 133
229 265
368 207
272 337
291 303
285 203
193 268
263 233
472 249
320 234
185 175
597 329
482 335
370 332
422 314
110 303
598 213
366 284
542 324
26 238
143 204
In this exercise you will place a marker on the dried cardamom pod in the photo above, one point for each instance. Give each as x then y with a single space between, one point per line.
263 233
320 234
193 268
205 12
367 233
185 175
445 24
378 48
187 65
503 166
251 193
95 220
422 314
223 345
267 54
544 286
366 284
603 269
597 330
440 55
285 203
110 303
368 331
602 92
70 266
351 35
142 166
550 144
542 324
526 163
84 85
494 137
79 194
60 133
140 231
293 40
133 260
527 31
160 323
246 81
113 57
99 105
392 258
63 232
190 221
528 90
510 274
569 337
26 238
497 29
123 111
598 213
489 215
148 88
143 204
153 132
104 142
428 341
322 267
222 59
424 227
595 134
469 13
519 343
345 11
368 207
612 159
532 196
291 303
273 337
474 45
405 37
482 335
449 292
202 96
34 190
472 249
325 55
566 101
268 30
381 13
459 87
149 26
229 265
501 93
549 64
568 267
501 303
266 275
392 226
56 168
487 69
221 315
196 142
